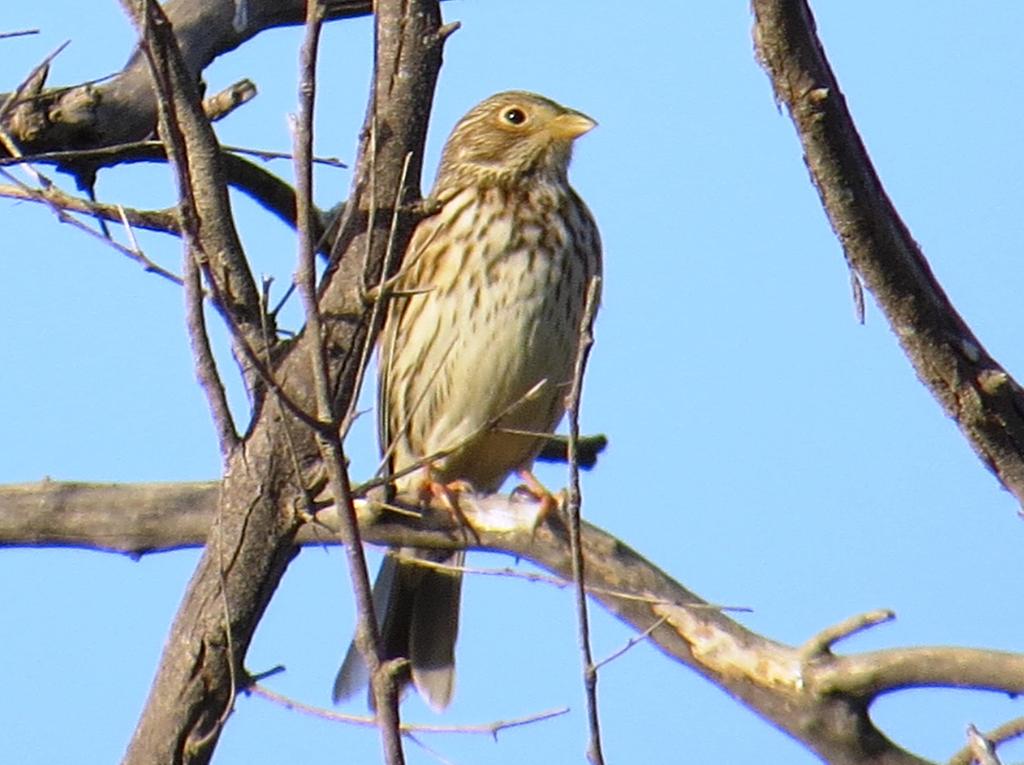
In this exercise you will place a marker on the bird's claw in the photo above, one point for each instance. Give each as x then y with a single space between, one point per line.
548 502
447 494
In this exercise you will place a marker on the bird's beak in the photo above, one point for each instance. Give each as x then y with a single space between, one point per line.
570 125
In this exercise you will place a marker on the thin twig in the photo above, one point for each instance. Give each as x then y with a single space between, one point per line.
630 643
54 198
533 576
488 729
19 33
104 156
368 640
486 427
195 260
281 399
268 155
821 643
586 340
377 315
202 353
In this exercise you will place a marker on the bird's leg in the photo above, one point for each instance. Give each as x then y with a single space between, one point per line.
548 501
448 496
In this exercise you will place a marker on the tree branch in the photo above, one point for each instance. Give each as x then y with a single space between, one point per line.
259 184
819 698
973 389
211 242
595 751
123 108
383 686
266 480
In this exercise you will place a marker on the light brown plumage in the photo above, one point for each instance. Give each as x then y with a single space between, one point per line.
484 347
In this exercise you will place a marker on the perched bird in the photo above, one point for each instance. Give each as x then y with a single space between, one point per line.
477 351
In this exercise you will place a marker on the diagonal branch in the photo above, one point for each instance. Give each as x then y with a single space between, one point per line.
153 220
973 389
210 238
259 184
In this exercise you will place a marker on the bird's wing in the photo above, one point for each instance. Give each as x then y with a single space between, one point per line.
393 407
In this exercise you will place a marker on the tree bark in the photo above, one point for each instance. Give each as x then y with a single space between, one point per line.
253 533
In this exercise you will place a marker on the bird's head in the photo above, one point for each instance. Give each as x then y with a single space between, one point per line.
510 136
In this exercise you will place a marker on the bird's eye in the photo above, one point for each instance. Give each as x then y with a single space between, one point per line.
514 116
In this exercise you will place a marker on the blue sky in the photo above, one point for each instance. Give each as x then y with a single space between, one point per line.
766 449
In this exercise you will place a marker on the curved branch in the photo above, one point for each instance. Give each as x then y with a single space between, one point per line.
871 674
986 402
819 698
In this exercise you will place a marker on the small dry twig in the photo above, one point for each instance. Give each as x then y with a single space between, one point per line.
19 33
489 729
222 104
383 685
586 340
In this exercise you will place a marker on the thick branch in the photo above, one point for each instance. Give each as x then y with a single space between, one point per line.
269 477
820 698
972 387
124 108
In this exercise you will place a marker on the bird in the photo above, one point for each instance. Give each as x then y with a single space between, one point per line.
477 350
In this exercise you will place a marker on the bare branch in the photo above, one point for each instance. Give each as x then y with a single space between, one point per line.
123 108
20 33
588 448
28 89
983 751
973 389
60 203
586 340
491 729
260 185
822 643
222 104
152 220
261 497
194 153
383 684
211 243
823 701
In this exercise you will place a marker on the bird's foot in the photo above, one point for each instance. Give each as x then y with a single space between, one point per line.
548 502
447 494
